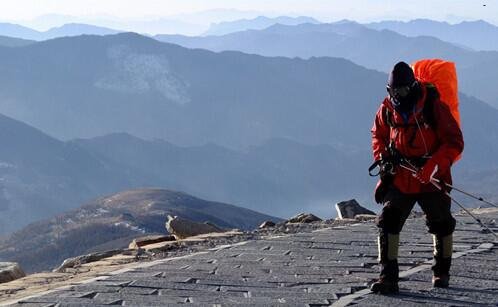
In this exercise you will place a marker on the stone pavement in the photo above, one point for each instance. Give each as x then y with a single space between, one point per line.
328 267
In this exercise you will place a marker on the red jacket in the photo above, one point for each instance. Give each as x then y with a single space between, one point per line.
443 140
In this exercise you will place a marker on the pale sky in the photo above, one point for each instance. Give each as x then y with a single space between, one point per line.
26 11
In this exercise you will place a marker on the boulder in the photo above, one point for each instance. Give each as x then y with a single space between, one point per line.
79 260
182 228
349 209
304 218
10 271
267 224
147 240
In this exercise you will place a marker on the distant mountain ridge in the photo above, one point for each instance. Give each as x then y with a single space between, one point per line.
40 176
189 97
364 46
257 23
478 35
18 31
75 29
287 177
70 29
280 177
111 222
282 134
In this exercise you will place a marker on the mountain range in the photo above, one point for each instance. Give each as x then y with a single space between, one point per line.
280 177
268 134
41 176
18 31
274 133
70 29
370 48
277 135
96 85
478 35
112 222
345 39
257 23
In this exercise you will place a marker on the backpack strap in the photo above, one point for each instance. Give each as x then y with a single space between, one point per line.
388 118
428 111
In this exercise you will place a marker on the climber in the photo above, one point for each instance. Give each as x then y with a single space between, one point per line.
414 125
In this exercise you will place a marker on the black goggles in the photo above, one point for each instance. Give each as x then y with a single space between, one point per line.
400 92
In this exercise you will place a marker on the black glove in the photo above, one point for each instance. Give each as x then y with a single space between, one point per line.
381 192
386 173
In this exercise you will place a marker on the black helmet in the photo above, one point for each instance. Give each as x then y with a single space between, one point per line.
402 87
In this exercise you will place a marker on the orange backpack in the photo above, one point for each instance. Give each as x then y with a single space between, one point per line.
442 74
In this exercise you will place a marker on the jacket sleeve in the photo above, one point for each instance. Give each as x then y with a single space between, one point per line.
449 135
380 134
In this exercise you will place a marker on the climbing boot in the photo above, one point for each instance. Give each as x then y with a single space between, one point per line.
442 281
443 250
388 259
385 286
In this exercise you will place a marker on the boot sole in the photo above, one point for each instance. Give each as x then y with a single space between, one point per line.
380 289
440 285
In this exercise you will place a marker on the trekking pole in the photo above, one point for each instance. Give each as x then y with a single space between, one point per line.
465 209
466 193
414 169
438 186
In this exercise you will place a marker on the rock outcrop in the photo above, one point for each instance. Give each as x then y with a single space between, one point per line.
10 271
267 224
147 240
75 261
182 228
304 218
350 208
112 222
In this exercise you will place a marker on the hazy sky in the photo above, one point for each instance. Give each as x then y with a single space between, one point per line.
325 10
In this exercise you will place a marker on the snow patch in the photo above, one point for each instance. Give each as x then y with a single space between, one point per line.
132 227
139 73
102 211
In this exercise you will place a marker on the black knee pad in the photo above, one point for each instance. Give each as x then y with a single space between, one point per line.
442 227
389 219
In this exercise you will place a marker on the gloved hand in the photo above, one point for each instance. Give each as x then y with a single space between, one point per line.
387 170
431 168
380 191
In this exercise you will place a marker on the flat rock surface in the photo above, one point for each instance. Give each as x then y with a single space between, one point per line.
326 267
